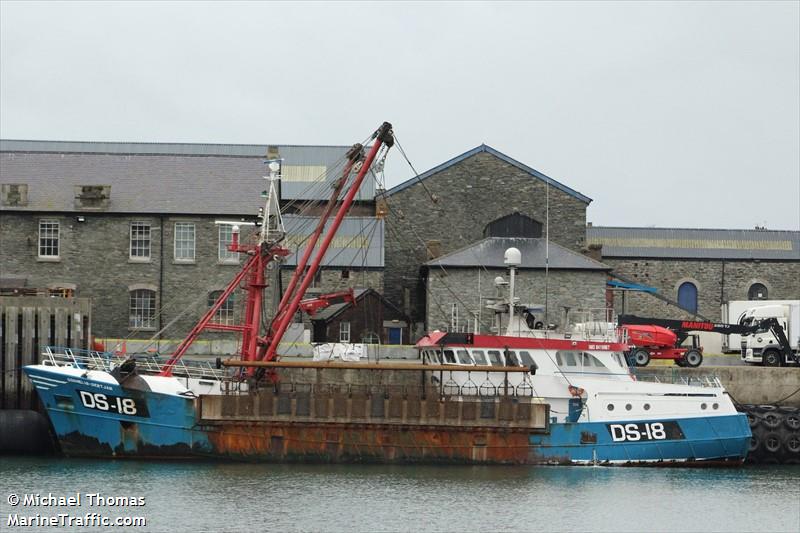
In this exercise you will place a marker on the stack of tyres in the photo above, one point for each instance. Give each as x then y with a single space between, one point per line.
776 434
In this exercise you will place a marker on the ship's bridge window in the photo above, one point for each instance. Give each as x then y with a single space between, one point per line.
512 359
566 358
432 357
464 358
495 358
480 357
450 357
527 359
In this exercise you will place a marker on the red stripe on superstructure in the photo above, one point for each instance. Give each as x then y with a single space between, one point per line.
432 340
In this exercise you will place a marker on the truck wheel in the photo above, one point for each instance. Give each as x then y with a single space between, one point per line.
693 358
771 358
792 421
641 357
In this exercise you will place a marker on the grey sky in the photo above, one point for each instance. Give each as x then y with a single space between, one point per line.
666 114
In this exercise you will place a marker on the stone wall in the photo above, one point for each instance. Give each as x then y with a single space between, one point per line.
95 258
717 282
566 288
468 195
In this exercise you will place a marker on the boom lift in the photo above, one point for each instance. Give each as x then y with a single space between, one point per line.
662 338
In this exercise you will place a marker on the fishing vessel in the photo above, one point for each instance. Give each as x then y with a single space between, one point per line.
531 395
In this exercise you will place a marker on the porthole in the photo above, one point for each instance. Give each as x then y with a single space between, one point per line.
611 407
647 407
703 406
715 406
628 407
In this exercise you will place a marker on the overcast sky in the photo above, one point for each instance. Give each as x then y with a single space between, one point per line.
666 114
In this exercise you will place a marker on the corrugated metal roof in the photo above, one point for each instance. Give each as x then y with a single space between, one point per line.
357 244
168 177
695 243
500 155
489 253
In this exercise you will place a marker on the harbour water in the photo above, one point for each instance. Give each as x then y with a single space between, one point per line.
213 496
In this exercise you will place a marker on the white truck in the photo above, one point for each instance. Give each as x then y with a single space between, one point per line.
772 346
733 312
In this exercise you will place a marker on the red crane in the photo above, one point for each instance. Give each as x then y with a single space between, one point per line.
268 248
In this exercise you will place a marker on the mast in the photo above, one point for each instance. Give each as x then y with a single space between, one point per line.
269 343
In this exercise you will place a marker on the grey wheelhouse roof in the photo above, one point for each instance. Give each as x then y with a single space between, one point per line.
489 253
167 177
695 243
489 150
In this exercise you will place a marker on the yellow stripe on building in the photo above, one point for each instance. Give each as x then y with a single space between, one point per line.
698 244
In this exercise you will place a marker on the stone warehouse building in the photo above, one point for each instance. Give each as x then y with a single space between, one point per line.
699 270
459 284
132 226
478 194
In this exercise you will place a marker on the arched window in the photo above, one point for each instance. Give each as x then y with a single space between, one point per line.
687 296
513 225
142 309
224 314
757 292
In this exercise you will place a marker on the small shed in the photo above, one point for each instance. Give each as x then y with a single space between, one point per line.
372 320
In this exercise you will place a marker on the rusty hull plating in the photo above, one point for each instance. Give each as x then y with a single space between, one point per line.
380 427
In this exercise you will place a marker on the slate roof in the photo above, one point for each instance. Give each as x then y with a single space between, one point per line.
695 243
165 177
489 150
489 253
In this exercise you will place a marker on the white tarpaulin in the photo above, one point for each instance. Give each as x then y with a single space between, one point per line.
339 350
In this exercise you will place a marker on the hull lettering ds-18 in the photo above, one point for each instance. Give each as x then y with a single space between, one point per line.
645 431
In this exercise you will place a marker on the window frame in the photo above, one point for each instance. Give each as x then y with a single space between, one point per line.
344 332
175 242
226 314
224 256
51 222
140 258
142 323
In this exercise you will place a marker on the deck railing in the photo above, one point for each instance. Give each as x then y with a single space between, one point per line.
107 361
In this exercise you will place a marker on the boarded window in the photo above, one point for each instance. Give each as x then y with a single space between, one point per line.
687 296
513 225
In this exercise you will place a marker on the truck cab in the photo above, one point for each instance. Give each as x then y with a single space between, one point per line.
762 346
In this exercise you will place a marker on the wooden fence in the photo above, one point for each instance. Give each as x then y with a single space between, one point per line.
27 325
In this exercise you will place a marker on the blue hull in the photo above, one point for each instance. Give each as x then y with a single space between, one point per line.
170 430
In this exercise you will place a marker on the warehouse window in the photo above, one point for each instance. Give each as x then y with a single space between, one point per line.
225 238
344 331
140 241
757 292
225 313
184 241
513 225
49 238
687 296
142 309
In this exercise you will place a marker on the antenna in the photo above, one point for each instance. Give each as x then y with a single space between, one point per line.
272 222
546 247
